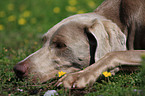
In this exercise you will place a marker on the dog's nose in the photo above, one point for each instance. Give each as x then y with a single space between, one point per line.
21 69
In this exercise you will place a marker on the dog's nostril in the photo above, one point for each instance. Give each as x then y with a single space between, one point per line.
20 70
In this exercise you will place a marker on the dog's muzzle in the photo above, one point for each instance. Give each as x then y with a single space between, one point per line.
21 69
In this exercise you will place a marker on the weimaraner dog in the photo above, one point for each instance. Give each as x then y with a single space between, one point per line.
86 45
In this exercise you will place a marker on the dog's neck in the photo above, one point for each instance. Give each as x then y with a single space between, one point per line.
128 16
110 10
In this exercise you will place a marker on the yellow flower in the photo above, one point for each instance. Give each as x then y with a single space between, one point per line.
1 27
107 74
35 43
21 21
2 14
26 41
40 29
72 2
61 73
80 12
22 7
11 18
10 7
26 14
56 10
91 4
33 20
71 9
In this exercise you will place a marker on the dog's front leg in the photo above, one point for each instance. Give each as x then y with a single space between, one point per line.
111 60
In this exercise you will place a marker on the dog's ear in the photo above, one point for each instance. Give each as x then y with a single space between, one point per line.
92 43
104 36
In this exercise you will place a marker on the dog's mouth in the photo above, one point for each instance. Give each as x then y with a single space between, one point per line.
21 75
28 71
20 72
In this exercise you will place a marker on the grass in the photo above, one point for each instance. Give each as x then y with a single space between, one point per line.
23 22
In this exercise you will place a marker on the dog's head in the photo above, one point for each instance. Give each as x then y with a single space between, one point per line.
74 43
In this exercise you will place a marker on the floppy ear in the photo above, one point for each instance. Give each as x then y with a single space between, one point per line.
92 43
104 36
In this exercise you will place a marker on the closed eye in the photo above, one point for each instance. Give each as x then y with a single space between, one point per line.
60 45
44 39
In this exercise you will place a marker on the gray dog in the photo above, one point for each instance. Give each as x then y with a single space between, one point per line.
97 41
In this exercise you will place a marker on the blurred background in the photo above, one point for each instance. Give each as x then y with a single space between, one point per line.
24 21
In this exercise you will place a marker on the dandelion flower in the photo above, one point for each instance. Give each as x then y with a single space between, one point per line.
1 27
26 41
107 74
35 43
21 21
80 12
72 2
10 7
61 73
56 10
91 4
71 9
11 18
22 7
40 29
26 14
33 20
2 14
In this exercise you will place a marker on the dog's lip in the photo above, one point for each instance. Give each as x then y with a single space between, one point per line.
22 75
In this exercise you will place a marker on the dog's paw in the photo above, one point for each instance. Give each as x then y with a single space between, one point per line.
77 80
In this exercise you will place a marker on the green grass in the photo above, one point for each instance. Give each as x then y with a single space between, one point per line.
23 22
